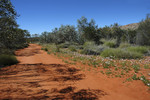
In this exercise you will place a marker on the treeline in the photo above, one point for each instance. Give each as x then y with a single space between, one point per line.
89 31
11 36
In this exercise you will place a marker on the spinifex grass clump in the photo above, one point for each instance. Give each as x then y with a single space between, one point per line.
93 49
139 49
72 48
8 60
110 43
120 54
124 45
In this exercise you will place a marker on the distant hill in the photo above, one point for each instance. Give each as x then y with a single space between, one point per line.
132 26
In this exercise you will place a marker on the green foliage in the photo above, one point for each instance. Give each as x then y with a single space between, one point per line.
7 60
120 53
66 33
6 51
146 66
106 32
72 48
64 45
139 49
45 49
108 72
110 43
88 30
145 81
124 45
11 37
86 44
134 77
129 79
136 67
91 49
118 33
143 32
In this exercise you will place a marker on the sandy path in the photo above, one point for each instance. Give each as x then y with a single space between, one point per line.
42 76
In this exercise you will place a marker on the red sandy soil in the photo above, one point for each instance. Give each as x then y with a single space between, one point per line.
45 77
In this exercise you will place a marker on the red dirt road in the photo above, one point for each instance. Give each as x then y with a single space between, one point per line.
45 77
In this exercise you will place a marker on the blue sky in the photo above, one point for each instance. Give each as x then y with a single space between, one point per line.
44 15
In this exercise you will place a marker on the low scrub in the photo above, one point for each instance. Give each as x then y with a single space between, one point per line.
72 48
124 45
88 43
6 51
21 46
121 54
110 43
7 60
45 49
66 44
139 49
93 50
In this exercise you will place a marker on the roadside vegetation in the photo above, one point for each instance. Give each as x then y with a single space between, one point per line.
11 36
110 50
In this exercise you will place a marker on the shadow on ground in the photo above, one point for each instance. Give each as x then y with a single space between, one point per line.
44 81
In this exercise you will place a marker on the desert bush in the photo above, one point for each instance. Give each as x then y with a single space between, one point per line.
139 49
120 53
6 51
103 40
143 32
124 45
93 50
88 43
21 46
64 45
80 47
110 43
45 49
7 60
72 48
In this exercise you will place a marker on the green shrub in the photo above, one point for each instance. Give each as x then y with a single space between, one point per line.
45 49
136 67
64 45
124 45
103 40
20 46
57 48
145 81
110 43
72 48
6 51
139 49
7 60
134 77
93 50
80 47
88 43
120 53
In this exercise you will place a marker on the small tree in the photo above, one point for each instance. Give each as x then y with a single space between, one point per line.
117 32
88 30
143 32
